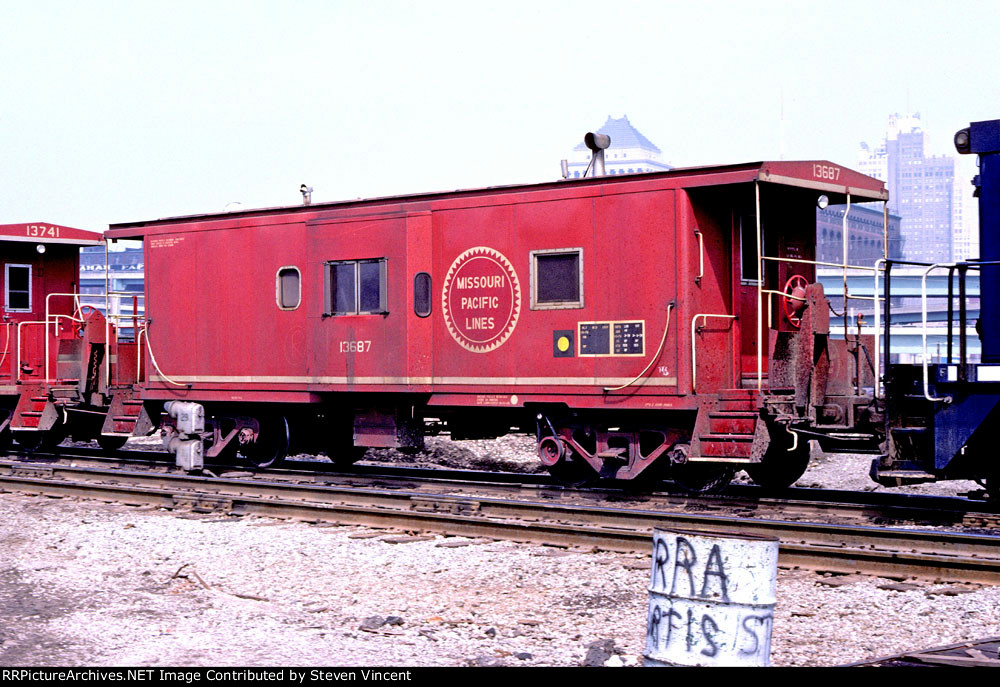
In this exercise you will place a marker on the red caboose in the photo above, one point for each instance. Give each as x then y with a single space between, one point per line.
52 355
629 322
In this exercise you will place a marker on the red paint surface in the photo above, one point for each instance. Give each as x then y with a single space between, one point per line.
210 284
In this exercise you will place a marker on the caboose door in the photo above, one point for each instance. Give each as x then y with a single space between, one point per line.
745 283
359 267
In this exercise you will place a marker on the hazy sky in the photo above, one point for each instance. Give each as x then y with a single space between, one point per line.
121 111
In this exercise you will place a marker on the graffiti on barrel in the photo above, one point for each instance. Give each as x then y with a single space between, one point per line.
711 600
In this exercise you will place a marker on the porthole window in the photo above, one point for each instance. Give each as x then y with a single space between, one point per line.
422 294
288 285
557 279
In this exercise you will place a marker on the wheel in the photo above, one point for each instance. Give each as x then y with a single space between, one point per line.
992 485
565 468
271 445
571 472
55 436
111 443
6 437
780 468
347 455
46 440
702 478
28 441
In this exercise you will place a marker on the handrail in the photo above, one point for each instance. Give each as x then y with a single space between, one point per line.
847 211
694 366
6 344
152 359
878 313
802 261
760 294
109 317
701 256
923 332
17 345
844 266
652 360
55 324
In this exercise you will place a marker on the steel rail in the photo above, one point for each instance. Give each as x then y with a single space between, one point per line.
837 548
793 503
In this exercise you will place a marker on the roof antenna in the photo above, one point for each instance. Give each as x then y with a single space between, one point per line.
307 193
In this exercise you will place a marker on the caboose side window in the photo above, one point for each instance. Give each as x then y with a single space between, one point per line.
17 288
422 294
370 292
289 288
356 287
342 289
557 278
748 248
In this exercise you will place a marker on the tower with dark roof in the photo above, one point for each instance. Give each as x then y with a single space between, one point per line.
630 151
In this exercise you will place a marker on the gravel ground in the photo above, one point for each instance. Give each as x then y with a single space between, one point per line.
85 583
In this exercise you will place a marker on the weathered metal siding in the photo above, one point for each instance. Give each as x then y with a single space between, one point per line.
210 282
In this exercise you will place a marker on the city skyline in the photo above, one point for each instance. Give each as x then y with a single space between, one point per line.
114 111
933 215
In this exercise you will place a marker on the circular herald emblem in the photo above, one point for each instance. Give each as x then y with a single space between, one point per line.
481 299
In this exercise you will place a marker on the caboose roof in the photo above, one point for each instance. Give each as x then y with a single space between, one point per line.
818 175
47 233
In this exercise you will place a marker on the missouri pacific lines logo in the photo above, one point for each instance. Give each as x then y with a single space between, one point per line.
481 299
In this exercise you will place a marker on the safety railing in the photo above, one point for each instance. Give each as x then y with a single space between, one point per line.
6 346
56 320
844 266
113 315
962 268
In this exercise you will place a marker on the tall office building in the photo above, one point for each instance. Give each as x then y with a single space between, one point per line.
921 191
965 211
630 152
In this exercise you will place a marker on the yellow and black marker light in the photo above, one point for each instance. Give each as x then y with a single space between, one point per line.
562 343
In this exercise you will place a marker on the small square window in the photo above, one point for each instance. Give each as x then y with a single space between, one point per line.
17 288
356 287
557 279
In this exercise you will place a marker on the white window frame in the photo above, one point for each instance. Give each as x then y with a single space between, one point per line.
6 288
557 305
277 287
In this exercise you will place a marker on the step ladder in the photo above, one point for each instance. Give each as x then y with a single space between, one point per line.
725 427
123 415
35 411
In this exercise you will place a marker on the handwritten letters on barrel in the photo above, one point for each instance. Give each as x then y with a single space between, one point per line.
711 600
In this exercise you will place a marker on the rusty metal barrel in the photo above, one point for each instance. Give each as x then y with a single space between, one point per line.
711 599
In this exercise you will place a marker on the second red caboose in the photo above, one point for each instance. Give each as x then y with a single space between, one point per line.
59 358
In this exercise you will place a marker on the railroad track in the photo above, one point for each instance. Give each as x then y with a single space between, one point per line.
527 513
802 504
